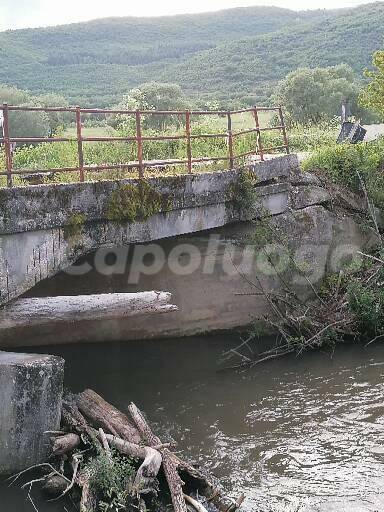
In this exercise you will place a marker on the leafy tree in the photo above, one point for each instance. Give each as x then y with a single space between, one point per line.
155 96
55 119
316 95
373 95
24 124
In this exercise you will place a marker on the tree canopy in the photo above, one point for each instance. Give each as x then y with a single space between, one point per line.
24 124
155 96
373 95
315 95
34 124
55 119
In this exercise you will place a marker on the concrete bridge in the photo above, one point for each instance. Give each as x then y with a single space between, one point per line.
44 229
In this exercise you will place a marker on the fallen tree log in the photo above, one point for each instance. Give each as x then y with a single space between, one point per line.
48 310
195 504
102 414
146 474
175 483
210 490
104 476
65 444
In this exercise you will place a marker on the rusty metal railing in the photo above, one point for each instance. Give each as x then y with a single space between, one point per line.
231 157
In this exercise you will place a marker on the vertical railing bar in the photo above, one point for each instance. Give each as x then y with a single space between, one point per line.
230 140
259 141
284 129
80 153
188 136
139 144
7 145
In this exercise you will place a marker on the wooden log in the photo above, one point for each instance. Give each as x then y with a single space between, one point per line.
88 502
175 483
195 504
102 414
104 442
210 490
65 444
48 310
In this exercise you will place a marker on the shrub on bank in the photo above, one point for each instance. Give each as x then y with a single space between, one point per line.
350 164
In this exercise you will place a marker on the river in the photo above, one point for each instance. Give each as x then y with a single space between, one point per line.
296 434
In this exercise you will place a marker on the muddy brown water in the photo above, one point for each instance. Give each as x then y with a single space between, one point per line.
294 434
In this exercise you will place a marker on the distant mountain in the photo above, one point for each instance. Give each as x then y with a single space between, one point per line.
236 53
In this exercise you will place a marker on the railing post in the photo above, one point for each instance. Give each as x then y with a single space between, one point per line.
7 145
230 141
139 144
188 136
80 143
284 129
258 133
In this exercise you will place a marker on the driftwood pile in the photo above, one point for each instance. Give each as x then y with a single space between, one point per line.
161 480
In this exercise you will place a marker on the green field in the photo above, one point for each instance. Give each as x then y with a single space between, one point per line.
97 131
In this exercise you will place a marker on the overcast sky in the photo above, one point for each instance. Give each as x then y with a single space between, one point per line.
35 13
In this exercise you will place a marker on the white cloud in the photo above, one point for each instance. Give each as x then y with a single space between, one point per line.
32 13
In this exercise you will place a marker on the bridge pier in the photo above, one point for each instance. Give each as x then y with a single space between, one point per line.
31 388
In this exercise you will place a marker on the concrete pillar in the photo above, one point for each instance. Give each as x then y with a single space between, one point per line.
31 390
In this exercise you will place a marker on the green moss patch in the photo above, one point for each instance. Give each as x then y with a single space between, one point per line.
131 203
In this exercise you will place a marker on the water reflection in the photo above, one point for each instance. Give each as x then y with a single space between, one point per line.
307 431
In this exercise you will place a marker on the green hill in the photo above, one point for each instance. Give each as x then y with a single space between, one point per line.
236 53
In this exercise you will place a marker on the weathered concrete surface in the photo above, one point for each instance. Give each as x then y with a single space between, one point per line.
31 389
35 242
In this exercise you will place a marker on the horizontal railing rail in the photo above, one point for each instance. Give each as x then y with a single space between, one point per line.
139 139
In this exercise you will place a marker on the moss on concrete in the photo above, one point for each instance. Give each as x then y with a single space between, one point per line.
139 202
74 225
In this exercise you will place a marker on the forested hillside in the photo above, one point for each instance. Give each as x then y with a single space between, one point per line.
233 54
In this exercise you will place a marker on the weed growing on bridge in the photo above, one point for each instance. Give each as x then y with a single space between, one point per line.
348 305
244 195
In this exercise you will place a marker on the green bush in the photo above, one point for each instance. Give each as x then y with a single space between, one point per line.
344 163
108 480
367 304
